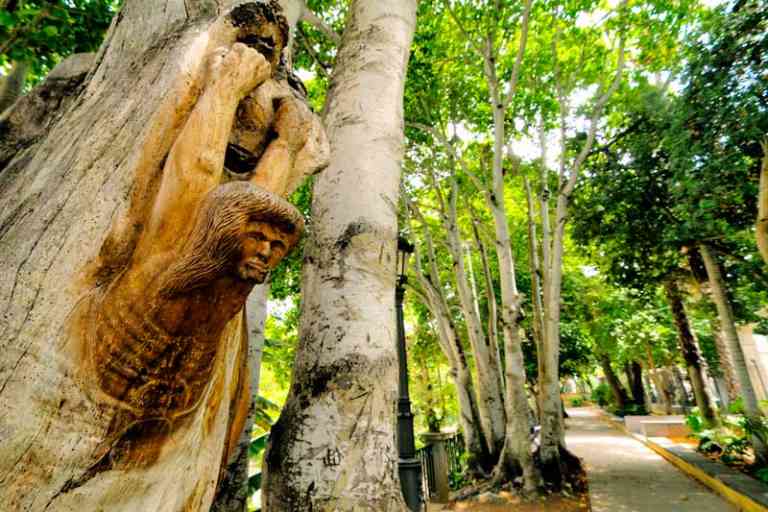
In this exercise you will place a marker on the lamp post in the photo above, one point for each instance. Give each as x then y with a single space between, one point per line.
408 465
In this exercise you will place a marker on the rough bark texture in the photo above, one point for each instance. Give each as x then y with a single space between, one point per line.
77 208
690 350
333 447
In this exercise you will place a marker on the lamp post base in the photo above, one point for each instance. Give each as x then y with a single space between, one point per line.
410 482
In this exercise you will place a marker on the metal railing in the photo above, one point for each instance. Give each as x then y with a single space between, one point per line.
454 446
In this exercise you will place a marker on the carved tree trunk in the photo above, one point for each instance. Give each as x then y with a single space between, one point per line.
690 350
73 182
333 447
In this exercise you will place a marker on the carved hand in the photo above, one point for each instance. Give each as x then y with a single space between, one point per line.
292 122
239 69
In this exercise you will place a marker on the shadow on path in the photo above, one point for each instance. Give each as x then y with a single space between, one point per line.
626 476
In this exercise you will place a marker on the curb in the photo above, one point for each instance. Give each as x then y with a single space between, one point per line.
739 499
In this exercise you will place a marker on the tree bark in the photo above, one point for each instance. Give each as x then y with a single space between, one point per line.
435 299
74 200
619 393
690 350
490 398
635 380
333 447
761 226
13 84
232 493
719 292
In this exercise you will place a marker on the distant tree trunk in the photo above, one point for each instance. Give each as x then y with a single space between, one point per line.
690 350
662 387
761 226
490 397
635 379
333 447
434 296
725 361
232 493
13 84
719 293
65 195
619 393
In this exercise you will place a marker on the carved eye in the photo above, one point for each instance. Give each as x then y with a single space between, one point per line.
277 245
258 236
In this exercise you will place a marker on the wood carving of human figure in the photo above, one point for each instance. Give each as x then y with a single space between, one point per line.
147 339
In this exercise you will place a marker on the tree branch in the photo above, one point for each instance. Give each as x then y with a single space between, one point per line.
308 16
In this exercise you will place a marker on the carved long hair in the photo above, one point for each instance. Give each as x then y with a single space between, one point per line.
213 246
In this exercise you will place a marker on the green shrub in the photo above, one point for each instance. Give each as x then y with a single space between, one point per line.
737 406
762 475
694 421
577 401
601 395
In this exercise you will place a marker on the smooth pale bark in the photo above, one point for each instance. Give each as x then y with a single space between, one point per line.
662 385
552 426
690 349
490 398
433 293
725 361
489 381
232 492
490 297
515 457
59 197
761 226
730 337
333 447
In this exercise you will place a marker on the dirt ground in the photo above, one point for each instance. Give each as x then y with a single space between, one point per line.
505 501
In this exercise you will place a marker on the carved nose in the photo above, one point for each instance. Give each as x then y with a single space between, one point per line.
265 251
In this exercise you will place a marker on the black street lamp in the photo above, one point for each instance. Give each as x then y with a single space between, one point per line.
409 466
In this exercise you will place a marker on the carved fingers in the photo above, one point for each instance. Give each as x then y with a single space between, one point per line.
239 69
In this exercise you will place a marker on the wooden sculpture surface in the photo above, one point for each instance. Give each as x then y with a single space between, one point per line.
147 339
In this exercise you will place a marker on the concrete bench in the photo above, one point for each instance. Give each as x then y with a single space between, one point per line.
665 428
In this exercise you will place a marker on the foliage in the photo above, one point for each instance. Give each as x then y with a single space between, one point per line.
577 401
601 394
44 32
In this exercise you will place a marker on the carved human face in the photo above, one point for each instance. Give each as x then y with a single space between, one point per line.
263 246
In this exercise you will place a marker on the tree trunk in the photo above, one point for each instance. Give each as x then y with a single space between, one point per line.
719 293
233 493
450 343
635 380
725 360
761 226
333 447
619 393
12 84
690 350
77 215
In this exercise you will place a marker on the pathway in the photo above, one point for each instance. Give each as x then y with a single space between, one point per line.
626 476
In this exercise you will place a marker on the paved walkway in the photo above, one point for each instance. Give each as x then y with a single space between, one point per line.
626 476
